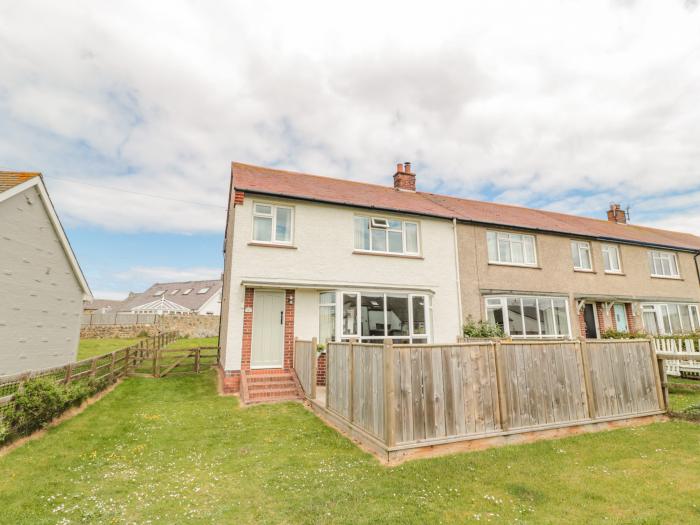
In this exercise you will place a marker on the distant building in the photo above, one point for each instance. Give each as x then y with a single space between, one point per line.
101 306
42 287
183 298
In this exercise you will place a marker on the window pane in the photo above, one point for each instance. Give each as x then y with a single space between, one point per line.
694 317
262 229
607 262
495 316
675 318
561 317
665 266
419 341
491 243
649 319
517 251
547 325
378 240
419 324
666 318
575 255
674 264
585 257
530 316
283 228
395 242
515 319
503 249
685 317
350 314
362 233
394 225
411 237
529 243
263 209
326 323
327 298
372 316
397 315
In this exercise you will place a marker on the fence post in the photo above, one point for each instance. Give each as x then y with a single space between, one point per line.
126 362
389 394
351 380
93 365
196 359
588 380
501 387
156 362
111 366
314 366
664 382
69 371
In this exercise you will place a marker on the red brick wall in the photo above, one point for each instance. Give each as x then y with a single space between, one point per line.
632 325
289 300
600 314
230 381
238 197
321 370
247 328
581 324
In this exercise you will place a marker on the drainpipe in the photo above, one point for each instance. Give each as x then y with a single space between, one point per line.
697 266
459 284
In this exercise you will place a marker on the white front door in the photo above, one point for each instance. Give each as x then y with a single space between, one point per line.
267 347
620 317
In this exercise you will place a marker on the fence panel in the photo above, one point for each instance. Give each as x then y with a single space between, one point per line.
444 391
305 356
338 385
623 379
544 383
368 388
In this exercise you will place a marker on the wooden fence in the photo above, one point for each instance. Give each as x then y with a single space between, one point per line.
403 396
305 364
674 345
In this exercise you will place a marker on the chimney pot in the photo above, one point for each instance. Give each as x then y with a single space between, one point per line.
617 214
403 178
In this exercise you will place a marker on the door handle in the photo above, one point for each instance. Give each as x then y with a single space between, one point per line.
282 317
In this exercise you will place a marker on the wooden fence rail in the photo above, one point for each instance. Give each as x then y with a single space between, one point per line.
411 395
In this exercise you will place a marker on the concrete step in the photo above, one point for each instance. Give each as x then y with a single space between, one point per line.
263 378
290 393
271 386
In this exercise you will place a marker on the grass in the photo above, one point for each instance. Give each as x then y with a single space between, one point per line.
194 342
93 347
173 451
683 393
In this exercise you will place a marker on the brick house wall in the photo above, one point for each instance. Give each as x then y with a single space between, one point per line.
321 370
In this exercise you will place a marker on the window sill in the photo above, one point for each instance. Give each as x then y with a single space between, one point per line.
583 270
671 277
384 254
616 273
515 265
272 245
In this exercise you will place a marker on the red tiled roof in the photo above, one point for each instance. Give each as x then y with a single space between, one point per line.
10 179
300 185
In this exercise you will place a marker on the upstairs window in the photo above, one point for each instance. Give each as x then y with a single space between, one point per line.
378 234
663 264
581 254
272 224
611 258
187 292
174 291
511 248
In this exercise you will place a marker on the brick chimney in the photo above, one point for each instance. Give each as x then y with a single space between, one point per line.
617 214
403 178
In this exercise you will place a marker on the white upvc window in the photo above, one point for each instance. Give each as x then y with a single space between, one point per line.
326 317
581 255
670 318
523 316
611 258
385 235
373 316
272 224
663 264
511 248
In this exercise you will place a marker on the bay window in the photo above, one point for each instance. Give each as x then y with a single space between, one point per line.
670 318
511 248
529 316
382 235
326 317
374 316
272 224
611 258
663 264
581 255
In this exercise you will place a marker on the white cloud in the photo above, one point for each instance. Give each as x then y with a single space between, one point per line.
565 105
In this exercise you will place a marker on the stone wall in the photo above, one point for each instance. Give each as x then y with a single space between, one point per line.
190 325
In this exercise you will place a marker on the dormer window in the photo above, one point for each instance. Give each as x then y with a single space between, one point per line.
384 235
174 292
203 290
158 293
187 292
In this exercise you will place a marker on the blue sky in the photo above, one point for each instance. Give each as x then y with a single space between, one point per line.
134 110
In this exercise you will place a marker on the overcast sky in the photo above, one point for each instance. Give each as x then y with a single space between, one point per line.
565 105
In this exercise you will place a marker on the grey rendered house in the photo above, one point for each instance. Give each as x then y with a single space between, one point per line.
42 287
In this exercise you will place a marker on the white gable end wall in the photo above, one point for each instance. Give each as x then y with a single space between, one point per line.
322 258
40 296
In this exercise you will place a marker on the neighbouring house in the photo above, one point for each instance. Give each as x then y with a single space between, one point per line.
183 298
101 306
41 283
309 256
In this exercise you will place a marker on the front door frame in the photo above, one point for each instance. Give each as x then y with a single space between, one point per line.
594 306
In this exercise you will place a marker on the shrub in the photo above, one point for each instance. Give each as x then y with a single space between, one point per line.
40 401
320 348
482 329
614 334
4 431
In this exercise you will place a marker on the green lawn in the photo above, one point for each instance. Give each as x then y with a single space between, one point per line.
172 451
194 342
683 393
92 347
